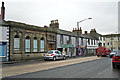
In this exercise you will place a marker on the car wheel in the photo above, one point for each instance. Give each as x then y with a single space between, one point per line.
113 65
45 59
54 58
64 57
97 55
110 56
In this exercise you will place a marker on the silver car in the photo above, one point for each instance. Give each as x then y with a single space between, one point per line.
53 55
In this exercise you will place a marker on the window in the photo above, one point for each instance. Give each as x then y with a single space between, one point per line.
56 52
108 43
104 44
27 44
112 38
103 38
81 41
42 46
35 44
16 43
111 43
69 39
50 52
61 39
118 38
94 42
89 41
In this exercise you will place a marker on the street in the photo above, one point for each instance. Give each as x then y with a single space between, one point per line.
99 68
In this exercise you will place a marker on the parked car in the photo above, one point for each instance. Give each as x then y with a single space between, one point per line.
54 55
113 53
116 60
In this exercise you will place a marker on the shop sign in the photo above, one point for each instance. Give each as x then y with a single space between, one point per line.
66 45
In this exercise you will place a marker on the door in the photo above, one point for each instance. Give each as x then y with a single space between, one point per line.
50 46
60 55
57 54
2 50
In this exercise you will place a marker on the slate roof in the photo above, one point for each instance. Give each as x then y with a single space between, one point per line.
114 35
69 33
29 27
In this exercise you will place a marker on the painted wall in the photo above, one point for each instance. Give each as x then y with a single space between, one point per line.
4 43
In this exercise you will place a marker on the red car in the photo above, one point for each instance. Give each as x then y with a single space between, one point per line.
116 60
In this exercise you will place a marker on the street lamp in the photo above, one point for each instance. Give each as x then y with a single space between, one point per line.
78 33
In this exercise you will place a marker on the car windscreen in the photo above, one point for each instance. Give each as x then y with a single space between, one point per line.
50 52
118 54
114 51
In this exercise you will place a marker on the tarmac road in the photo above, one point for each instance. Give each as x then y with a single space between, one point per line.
99 68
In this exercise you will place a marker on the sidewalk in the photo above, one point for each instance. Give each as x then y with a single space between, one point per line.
34 66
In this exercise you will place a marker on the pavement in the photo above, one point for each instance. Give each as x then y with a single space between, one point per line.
17 68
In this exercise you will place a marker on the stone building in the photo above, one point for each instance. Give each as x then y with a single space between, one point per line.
30 42
113 41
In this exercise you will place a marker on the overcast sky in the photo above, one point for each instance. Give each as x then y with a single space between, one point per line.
104 13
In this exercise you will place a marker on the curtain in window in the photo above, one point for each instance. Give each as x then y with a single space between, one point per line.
16 43
35 45
27 44
42 46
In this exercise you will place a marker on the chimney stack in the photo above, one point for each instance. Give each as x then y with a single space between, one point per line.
2 11
56 21
86 32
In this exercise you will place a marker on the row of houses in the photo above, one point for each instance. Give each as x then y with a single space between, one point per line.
20 41
111 41
31 42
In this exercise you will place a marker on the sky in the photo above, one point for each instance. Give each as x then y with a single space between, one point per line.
104 13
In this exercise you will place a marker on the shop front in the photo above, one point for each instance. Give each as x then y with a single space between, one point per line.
67 49
82 51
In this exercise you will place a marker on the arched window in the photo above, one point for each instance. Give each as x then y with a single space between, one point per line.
27 44
42 45
35 47
16 42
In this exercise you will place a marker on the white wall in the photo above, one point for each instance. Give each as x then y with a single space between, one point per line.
3 33
73 41
65 39
58 41
84 41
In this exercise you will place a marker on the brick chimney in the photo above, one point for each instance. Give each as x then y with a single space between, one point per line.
54 24
2 11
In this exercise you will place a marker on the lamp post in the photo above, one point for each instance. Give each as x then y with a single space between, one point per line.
78 34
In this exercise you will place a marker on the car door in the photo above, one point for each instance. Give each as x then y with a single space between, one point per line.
57 54
60 53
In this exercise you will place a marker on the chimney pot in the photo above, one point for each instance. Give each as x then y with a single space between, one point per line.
56 21
52 21
86 32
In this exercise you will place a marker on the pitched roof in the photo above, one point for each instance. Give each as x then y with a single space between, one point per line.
27 26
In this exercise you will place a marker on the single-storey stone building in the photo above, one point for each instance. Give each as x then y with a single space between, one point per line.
30 42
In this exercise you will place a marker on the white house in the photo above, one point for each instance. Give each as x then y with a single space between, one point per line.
4 41
66 42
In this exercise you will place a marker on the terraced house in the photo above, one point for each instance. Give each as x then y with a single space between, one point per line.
113 41
31 42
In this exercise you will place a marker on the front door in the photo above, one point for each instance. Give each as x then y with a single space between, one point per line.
50 46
